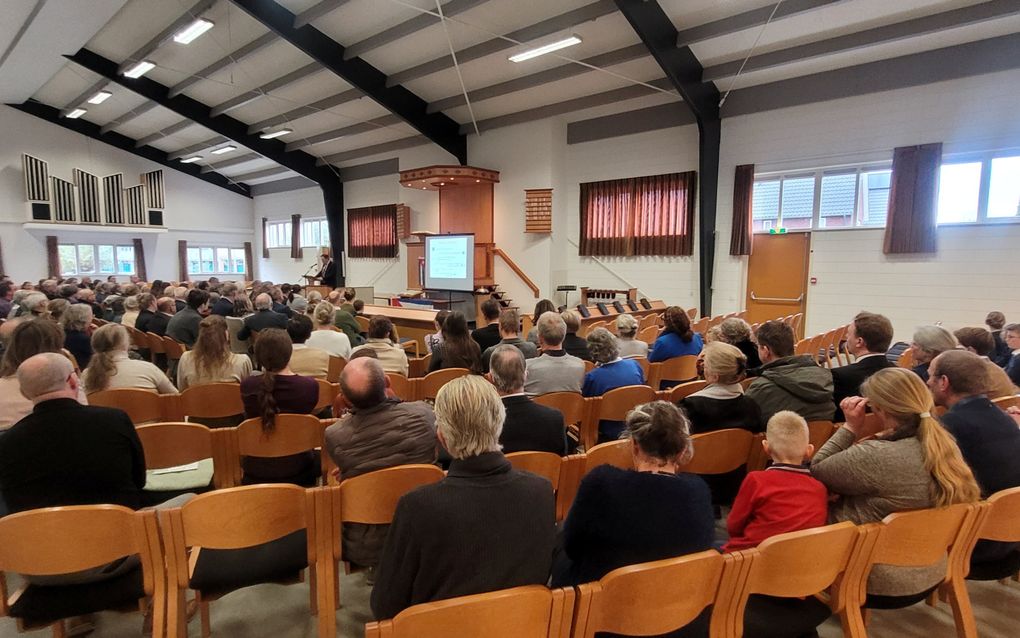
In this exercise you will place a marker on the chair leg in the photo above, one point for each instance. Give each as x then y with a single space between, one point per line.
313 582
176 614
58 629
203 610
963 614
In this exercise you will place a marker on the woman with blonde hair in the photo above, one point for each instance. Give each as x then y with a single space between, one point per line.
722 403
211 360
110 366
76 321
324 336
898 458
626 331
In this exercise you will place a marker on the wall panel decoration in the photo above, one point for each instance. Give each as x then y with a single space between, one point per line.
113 198
37 187
89 204
538 210
63 200
135 198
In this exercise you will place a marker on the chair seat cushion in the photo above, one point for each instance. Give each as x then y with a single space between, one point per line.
773 617
996 569
876 601
219 571
44 604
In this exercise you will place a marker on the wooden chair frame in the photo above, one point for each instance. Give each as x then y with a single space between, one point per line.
211 401
141 406
720 451
680 369
680 392
614 406
615 453
430 384
293 433
170 444
336 366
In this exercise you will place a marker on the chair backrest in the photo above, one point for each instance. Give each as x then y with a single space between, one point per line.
545 464
646 367
1001 520
651 598
173 444
429 386
212 400
906 360
336 366
615 404
682 391
141 405
362 323
138 337
372 498
692 313
532 611
819 432
234 325
155 344
615 453
402 386
327 392
174 349
677 369
746 383
292 433
701 325
571 471
570 404
648 334
920 537
720 451
1007 402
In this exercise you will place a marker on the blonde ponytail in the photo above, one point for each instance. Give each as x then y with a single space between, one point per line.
106 342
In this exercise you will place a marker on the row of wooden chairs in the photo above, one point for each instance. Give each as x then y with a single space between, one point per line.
829 349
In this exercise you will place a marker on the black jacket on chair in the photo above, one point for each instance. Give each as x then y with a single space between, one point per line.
260 321
530 426
847 380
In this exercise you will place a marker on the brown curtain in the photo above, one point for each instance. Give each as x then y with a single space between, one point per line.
265 239
913 198
52 256
182 258
651 215
139 259
2 271
248 265
743 189
295 237
372 231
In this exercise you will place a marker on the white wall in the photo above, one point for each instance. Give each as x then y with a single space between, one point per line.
195 210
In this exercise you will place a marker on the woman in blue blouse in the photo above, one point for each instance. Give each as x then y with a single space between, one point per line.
677 340
611 372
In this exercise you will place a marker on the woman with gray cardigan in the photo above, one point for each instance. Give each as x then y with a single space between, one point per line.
901 459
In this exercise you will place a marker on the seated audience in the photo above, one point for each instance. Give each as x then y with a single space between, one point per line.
995 321
180 296
348 304
325 337
441 543
278 391
165 309
263 318
626 331
574 345
6 298
722 403
77 323
381 339
528 427
988 438
737 332
183 327
56 307
867 338
928 343
112 309
131 311
788 381
211 360
280 302
432 341
346 321
782 498
487 335
224 306
980 342
610 372
26 339
900 459
376 432
111 368
554 370
626 517
1012 338
510 334
458 349
541 308
32 305
146 310
677 338
305 361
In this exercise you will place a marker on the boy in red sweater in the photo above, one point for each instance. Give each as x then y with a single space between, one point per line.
782 498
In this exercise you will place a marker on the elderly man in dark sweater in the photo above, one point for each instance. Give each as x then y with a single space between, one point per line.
483 528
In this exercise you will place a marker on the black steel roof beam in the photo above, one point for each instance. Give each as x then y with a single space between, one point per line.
398 100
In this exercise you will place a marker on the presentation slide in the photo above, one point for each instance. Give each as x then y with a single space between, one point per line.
450 262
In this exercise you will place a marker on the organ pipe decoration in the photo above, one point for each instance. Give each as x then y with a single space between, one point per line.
86 200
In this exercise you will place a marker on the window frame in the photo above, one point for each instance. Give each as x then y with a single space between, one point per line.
985 159
323 224
282 231
96 271
231 250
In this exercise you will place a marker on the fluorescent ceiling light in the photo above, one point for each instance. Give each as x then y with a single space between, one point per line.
75 114
548 48
275 134
188 34
139 69
100 97
189 160
225 149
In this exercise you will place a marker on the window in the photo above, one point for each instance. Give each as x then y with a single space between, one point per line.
218 260
853 197
959 189
1004 188
96 259
372 231
314 233
978 189
278 235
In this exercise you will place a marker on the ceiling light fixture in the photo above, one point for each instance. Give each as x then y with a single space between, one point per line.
190 33
548 48
275 134
139 69
225 149
75 114
189 160
100 97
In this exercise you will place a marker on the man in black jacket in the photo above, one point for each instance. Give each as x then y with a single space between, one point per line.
263 318
484 527
868 337
328 272
224 306
488 335
165 309
529 426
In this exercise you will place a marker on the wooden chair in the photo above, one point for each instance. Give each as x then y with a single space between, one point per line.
174 444
62 540
544 464
532 611
429 385
648 334
701 325
293 434
142 406
571 405
801 565
327 392
998 520
362 323
138 338
676 370
692 314
273 527
614 406
174 351
720 451
1007 402
819 432
571 471
682 391
906 360
645 365
336 366
155 345
212 401
615 453
657 597
746 383
402 386
417 368
588 366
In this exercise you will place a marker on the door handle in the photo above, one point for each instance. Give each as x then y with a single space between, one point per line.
799 299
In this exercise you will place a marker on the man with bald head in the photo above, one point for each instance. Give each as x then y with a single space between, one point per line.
263 318
66 453
376 433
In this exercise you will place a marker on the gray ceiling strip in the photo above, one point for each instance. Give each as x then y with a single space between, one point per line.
355 129
372 169
220 164
562 72
316 12
187 18
160 134
87 93
258 43
138 111
532 32
282 186
29 19
368 151
870 37
280 82
195 148
651 118
266 172
304 111
407 27
747 20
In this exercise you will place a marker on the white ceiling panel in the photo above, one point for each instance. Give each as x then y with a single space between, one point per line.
691 13
262 67
306 91
134 25
182 139
258 164
357 19
65 85
272 178
378 136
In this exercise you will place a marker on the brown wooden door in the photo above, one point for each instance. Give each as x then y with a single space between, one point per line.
777 273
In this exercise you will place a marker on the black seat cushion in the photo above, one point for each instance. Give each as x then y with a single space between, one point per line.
1005 567
697 628
44 604
774 617
219 571
875 601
